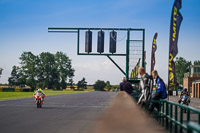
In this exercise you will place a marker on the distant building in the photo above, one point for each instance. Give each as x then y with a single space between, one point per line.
196 89
75 87
190 77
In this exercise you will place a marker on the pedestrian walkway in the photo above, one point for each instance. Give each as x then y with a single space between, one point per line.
124 116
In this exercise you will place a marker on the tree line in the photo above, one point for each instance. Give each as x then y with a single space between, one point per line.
99 85
51 71
45 70
182 66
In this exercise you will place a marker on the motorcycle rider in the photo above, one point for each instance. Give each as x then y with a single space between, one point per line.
184 92
40 91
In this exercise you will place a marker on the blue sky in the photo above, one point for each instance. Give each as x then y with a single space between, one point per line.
24 23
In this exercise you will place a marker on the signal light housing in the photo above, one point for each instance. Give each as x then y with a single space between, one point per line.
113 42
100 42
88 41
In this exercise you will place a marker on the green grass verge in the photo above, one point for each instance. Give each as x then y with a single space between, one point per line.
15 95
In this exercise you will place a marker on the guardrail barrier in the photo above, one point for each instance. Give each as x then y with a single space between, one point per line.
175 117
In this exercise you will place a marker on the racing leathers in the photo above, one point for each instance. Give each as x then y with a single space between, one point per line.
145 88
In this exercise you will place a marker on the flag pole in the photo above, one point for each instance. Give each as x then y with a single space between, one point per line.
168 76
168 92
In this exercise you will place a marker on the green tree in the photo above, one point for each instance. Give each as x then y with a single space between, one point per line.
54 70
71 83
14 79
82 84
115 87
99 85
181 67
197 62
64 68
1 71
108 87
45 71
29 68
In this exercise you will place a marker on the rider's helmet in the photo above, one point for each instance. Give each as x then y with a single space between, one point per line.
39 90
185 89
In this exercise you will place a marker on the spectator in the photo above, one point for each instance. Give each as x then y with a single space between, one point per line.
145 87
126 86
160 91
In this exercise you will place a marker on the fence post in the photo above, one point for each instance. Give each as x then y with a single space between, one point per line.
171 111
167 113
188 116
163 113
199 119
159 111
181 119
176 118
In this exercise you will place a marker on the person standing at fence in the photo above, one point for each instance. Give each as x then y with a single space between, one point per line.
160 90
145 87
126 86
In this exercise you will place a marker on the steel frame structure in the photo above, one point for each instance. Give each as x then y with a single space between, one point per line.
128 30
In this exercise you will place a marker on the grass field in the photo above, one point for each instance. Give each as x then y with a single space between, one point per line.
15 95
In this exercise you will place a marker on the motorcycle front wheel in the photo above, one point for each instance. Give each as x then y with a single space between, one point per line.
39 104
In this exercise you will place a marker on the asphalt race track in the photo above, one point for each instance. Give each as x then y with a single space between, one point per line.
70 113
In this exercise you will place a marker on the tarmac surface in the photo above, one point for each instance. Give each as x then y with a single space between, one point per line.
70 113
90 112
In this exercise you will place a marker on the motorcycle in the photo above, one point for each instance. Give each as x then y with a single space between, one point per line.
39 99
185 101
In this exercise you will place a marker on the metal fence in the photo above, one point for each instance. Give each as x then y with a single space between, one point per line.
193 127
175 117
